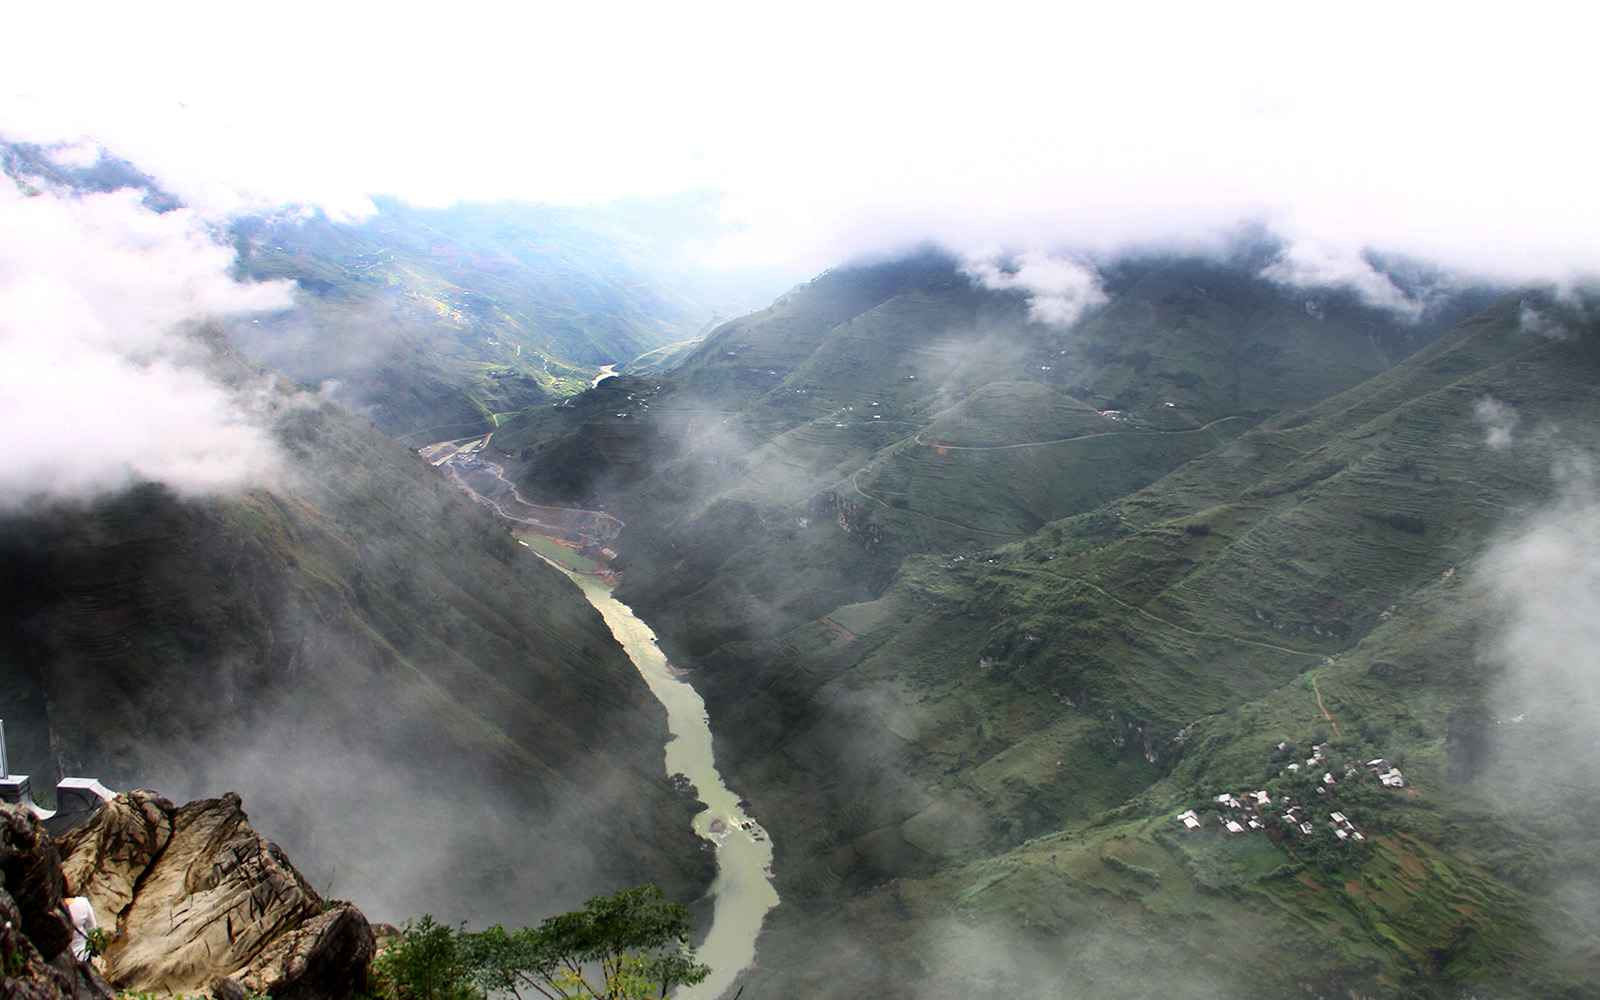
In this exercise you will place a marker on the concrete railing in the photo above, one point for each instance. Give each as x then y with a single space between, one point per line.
78 800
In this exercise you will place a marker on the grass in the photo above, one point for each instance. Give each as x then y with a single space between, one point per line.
560 553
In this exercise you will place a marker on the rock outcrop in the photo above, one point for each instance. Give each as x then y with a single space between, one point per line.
35 962
198 901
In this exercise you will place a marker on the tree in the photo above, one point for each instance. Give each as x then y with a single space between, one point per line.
426 964
620 947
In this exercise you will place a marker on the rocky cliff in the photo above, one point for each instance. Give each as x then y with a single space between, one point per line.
361 624
197 901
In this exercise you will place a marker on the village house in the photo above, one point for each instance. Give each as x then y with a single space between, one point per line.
1387 773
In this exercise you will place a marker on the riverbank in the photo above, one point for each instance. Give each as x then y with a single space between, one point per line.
743 892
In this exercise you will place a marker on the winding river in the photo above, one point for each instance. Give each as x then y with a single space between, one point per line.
743 890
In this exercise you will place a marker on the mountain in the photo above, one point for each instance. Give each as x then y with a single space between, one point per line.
1022 728
1169 627
414 704
901 408
430 321
980 605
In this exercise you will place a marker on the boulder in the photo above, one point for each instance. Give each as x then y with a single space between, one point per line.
105 859
326 956
200 901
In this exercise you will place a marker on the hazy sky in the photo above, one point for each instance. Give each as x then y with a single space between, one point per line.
1459 132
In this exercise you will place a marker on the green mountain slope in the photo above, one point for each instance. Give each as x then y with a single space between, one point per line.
411 701
1021 729
429 321
892 409
972 758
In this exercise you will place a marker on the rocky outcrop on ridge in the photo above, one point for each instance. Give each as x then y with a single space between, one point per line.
198 901
35 960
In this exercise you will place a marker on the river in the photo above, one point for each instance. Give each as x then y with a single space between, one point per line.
743 890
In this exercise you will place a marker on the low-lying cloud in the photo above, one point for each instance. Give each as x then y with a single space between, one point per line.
1499 422
1060 290
1309 265
1544 579
1541 580
101 385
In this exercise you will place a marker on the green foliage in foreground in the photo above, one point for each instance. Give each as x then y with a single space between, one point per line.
629 945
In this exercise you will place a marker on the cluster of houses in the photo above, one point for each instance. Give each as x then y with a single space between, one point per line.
1250 811
1241 815
1387 773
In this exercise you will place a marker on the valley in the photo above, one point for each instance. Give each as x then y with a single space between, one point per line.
742 893
1222 635
580 537
969 691
916 503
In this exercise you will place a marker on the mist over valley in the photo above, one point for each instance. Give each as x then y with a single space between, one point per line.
971 521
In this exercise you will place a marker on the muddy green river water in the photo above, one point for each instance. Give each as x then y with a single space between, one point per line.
743 890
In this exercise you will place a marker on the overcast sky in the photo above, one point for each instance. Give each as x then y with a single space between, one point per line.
1460 132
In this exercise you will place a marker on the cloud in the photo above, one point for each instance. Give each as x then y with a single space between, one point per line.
1541 324
1544 578
1569 307
1541 585
1059 290
1499 422
1305 264
101 387
346 815
838 130
983 958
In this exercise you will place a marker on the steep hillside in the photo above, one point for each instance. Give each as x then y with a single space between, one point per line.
364 654
973 758
989 758
899 408
429 321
